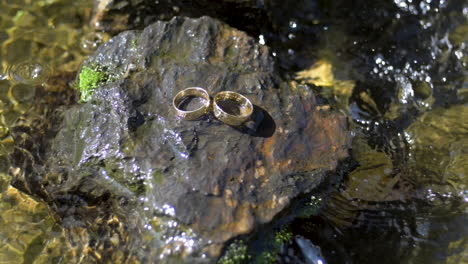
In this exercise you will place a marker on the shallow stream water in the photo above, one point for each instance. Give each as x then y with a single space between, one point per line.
397 69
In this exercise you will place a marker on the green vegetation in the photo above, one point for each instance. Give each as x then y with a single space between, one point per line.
236 253
134 43
89 79
158 176
312 207
134 184
239 253
267 257
283 236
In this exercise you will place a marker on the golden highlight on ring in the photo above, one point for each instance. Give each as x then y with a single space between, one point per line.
184 95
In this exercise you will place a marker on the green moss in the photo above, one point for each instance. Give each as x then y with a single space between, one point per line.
236 253
158 176
283 236
315 201
267 257
274 243
134 42
133 183
239 253
89 79
312 207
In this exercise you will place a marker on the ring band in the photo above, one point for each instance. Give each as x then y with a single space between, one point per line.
183 95
244 105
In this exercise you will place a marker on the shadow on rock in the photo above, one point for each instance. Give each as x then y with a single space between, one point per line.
261 124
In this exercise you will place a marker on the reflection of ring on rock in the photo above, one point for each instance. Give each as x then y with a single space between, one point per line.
232 108
184 97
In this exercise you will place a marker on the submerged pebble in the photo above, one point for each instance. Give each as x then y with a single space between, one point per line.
22 92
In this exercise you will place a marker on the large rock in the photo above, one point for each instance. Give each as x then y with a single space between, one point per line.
219 181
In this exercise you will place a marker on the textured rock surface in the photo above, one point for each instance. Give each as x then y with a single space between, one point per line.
291 31
118 15
217 180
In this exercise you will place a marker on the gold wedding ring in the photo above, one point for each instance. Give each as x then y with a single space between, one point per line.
232 108
181 98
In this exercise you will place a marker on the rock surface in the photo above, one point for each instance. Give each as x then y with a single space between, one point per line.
217 180
284 27
119 15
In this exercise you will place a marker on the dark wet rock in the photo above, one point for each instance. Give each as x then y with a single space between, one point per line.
284 26
126 153
119 15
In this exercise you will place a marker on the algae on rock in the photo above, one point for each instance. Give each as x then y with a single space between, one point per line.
89 79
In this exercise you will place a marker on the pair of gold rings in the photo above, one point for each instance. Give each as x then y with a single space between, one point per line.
230 107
